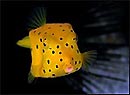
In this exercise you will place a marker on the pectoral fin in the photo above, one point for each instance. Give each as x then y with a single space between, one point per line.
25 42
89 57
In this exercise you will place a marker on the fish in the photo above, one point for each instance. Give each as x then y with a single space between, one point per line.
54 49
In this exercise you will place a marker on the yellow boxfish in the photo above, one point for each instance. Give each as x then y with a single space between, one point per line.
54 49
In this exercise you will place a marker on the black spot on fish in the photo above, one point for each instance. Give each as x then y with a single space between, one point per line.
71 30
77 51
39 33
49 27
61 38
74 38
72 58
60 52
79 62
48 61
53 74
56 66
61 59
40 40
36 46
66 44
72 46
63 30
44 71
77 68
43 50
44 44
45 32
50 48
49 70
45 39
60 25
75 62
57 46
52 33
34 31
53 52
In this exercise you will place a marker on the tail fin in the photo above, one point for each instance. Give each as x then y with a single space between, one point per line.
25 42
89 57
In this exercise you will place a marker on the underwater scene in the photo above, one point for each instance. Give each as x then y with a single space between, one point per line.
65 47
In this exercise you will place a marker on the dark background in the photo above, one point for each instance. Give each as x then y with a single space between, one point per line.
16 60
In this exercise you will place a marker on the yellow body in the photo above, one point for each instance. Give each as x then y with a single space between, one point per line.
47 42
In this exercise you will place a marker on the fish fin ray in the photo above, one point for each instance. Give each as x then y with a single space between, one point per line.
89 57
37 18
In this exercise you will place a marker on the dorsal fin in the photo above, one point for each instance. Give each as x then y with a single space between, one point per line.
37 18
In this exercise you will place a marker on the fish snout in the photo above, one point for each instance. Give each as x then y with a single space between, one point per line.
68 68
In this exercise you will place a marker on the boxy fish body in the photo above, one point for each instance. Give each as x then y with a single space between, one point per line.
54 50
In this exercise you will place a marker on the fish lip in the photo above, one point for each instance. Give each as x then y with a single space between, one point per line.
68 69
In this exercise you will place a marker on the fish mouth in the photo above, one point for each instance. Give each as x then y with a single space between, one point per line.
68 69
